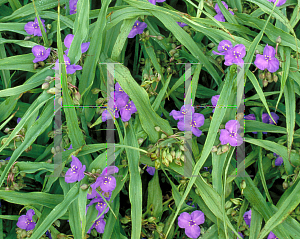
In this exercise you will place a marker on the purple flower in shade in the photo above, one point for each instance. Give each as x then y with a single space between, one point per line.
119 92
280 2
68 40
192 123
189 203
150 170
240 235
127 111
267 60
155 1
25 221
272 236
250 117
32 28
101 205
190 223
231 134
73 6
220 17
278 160
76 172
184 110
8 158
99 225
214 101
235 55
247 217
48 234
112 109
18 120
223 47
267 119
40 53
137 28
70 68
182 24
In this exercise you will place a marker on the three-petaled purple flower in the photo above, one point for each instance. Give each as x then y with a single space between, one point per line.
190 223
99 225
214 101
224 47
267 60
155 1
182 24
40 53
240 235
247 217
250 117
76 172
220 17
231 134
32 28
235 55
272 236
68 41
73 6
70 68
278 160
48 234
137 28
188 120
280 2
101 205
151 170
8 158
25 221
267 119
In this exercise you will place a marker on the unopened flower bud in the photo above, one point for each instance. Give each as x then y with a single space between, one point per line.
228 204
45 86
211 45
157 128
95 91
48 78
77 96
285 185
23 233
166 162
278 40
182 157
28 149
176 55
169 157
173 153
57 223
6 130
214 149
53 91
53 150
177 162
219 151
256 52
84 186
225 148
178 154
172 52
157 164
275 78
159 38
243 184
41 63
163 136
182 148
268 76
35 66
124 220
63 236
164 154
27 38
265 83
169 69
261 76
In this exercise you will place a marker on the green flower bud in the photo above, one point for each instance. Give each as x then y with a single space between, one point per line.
228 204
182 148
16 186
151 219
256 52
275 78
84 186
3 141
173 46
278 40
157 152
157 128
169 157
219 151
165 162
261 76
268 76
177 162
35 66
265 83
15 170
169 69
172 52
243 184
176 55
178 154
285 185
53 91
157 164
235 201
77 96
23 233
163 136
125 220
45 86
159 38
27 38
41 63
211 45
164 154
160 227
182 157
205 174
57 223
225 148
53 150
173 153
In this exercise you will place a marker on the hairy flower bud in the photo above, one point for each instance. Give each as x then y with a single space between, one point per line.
77 96
6 130
157 164
285 185
268 76
173 153
166 162
169 157
278 40
219 151
157 128
228 204
95 91
53 91
225 148
172 52
178 154
182 157
211 45
45 86
256 52
261 76
27 38
159 38
84 186
265 83
164 154
214 149
275 78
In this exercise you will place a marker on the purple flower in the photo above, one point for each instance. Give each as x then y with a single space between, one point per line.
18 120
150 170
267 119
127 111
235 55
189 203
192 123
250 117
220 17
278 160
231 134
182 24
280 2
240 235
71 147
179 115
190 223
267 60
70 68
272 236
247 217
223 47
68 41
76 172
48 234
40 53
214 101
25 221
155 1
99 225
8 158
112 108
32 28
137 28
73 6
119 92
101 205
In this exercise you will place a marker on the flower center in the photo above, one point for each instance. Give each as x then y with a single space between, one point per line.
28 221
232 134
193 123
267 58
192 223
237 54
74 169
106 180
225 47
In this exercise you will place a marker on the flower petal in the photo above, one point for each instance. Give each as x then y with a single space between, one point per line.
224 136
183 220
260 62
68 40
273 65
198 217
193 231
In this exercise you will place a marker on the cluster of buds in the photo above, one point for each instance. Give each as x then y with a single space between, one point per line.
220 149
145 36
289 180
149 80
17 140
21 233
14 178
296 213
267 78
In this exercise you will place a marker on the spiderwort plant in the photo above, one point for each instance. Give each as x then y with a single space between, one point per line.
182 24
99 225
32 28
137 28
155 1
278 160
231 134
25 221
224 48
279 3
250 117
272 236
214 101
267 60
40 53
68 41
267 119
247 217
73 6
220 17
70 68
235 55
76 172
191 223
